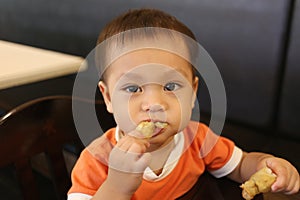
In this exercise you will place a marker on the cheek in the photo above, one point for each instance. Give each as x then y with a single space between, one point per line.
185 109
122 113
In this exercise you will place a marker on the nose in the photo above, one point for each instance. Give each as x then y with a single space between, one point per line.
153 100
149 107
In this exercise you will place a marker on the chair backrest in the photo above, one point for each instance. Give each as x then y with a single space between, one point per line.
43 125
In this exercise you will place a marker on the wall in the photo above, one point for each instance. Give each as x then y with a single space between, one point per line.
246 39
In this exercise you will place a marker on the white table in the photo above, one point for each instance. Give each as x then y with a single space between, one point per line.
27 72
21 64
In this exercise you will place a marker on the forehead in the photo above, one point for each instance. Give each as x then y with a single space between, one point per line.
129 61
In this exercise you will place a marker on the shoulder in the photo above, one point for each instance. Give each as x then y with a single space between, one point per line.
196 127
100 148
199 130
91 168
105 141
195 132
200 136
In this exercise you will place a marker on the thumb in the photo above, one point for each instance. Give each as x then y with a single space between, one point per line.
143 162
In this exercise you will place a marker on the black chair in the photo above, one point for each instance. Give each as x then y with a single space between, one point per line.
44 125
2 112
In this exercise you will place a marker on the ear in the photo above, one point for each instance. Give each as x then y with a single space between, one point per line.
106 96
195 89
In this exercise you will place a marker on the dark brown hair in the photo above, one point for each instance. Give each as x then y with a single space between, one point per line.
141 18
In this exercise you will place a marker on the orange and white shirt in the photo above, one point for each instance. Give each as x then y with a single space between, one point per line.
196 149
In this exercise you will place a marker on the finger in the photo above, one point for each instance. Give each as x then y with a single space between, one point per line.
291 182
136 163
273 164
136 148
132 144
297 185
294 186
287 180
125 161
124 144
133 138
280 184
136 134
281 181
143 162
281 173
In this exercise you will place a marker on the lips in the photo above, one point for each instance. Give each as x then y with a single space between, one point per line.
148 129
156 131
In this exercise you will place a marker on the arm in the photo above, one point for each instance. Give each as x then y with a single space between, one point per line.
287 181
127 162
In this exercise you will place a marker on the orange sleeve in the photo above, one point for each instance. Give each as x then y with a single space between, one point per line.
90 170
88 174
217 151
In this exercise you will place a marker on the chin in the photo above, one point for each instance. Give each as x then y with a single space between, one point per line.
160 140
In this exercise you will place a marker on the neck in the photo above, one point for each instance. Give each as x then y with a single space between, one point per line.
160 157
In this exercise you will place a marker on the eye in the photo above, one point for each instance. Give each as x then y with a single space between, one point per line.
171 86
133 88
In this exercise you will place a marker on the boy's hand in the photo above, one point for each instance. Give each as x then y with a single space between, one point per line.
127 163
288 180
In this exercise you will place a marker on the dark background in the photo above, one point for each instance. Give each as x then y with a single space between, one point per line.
255 45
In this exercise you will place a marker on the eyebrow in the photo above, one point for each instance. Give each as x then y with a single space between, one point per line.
131 76
176 71
169 72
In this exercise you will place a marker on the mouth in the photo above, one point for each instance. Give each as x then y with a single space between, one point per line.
149 129
157 131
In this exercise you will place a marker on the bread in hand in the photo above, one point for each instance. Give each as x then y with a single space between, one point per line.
260 182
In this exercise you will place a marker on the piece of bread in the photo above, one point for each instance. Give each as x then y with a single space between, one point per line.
147 128
260 182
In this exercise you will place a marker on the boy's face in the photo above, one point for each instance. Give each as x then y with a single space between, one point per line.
150 85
